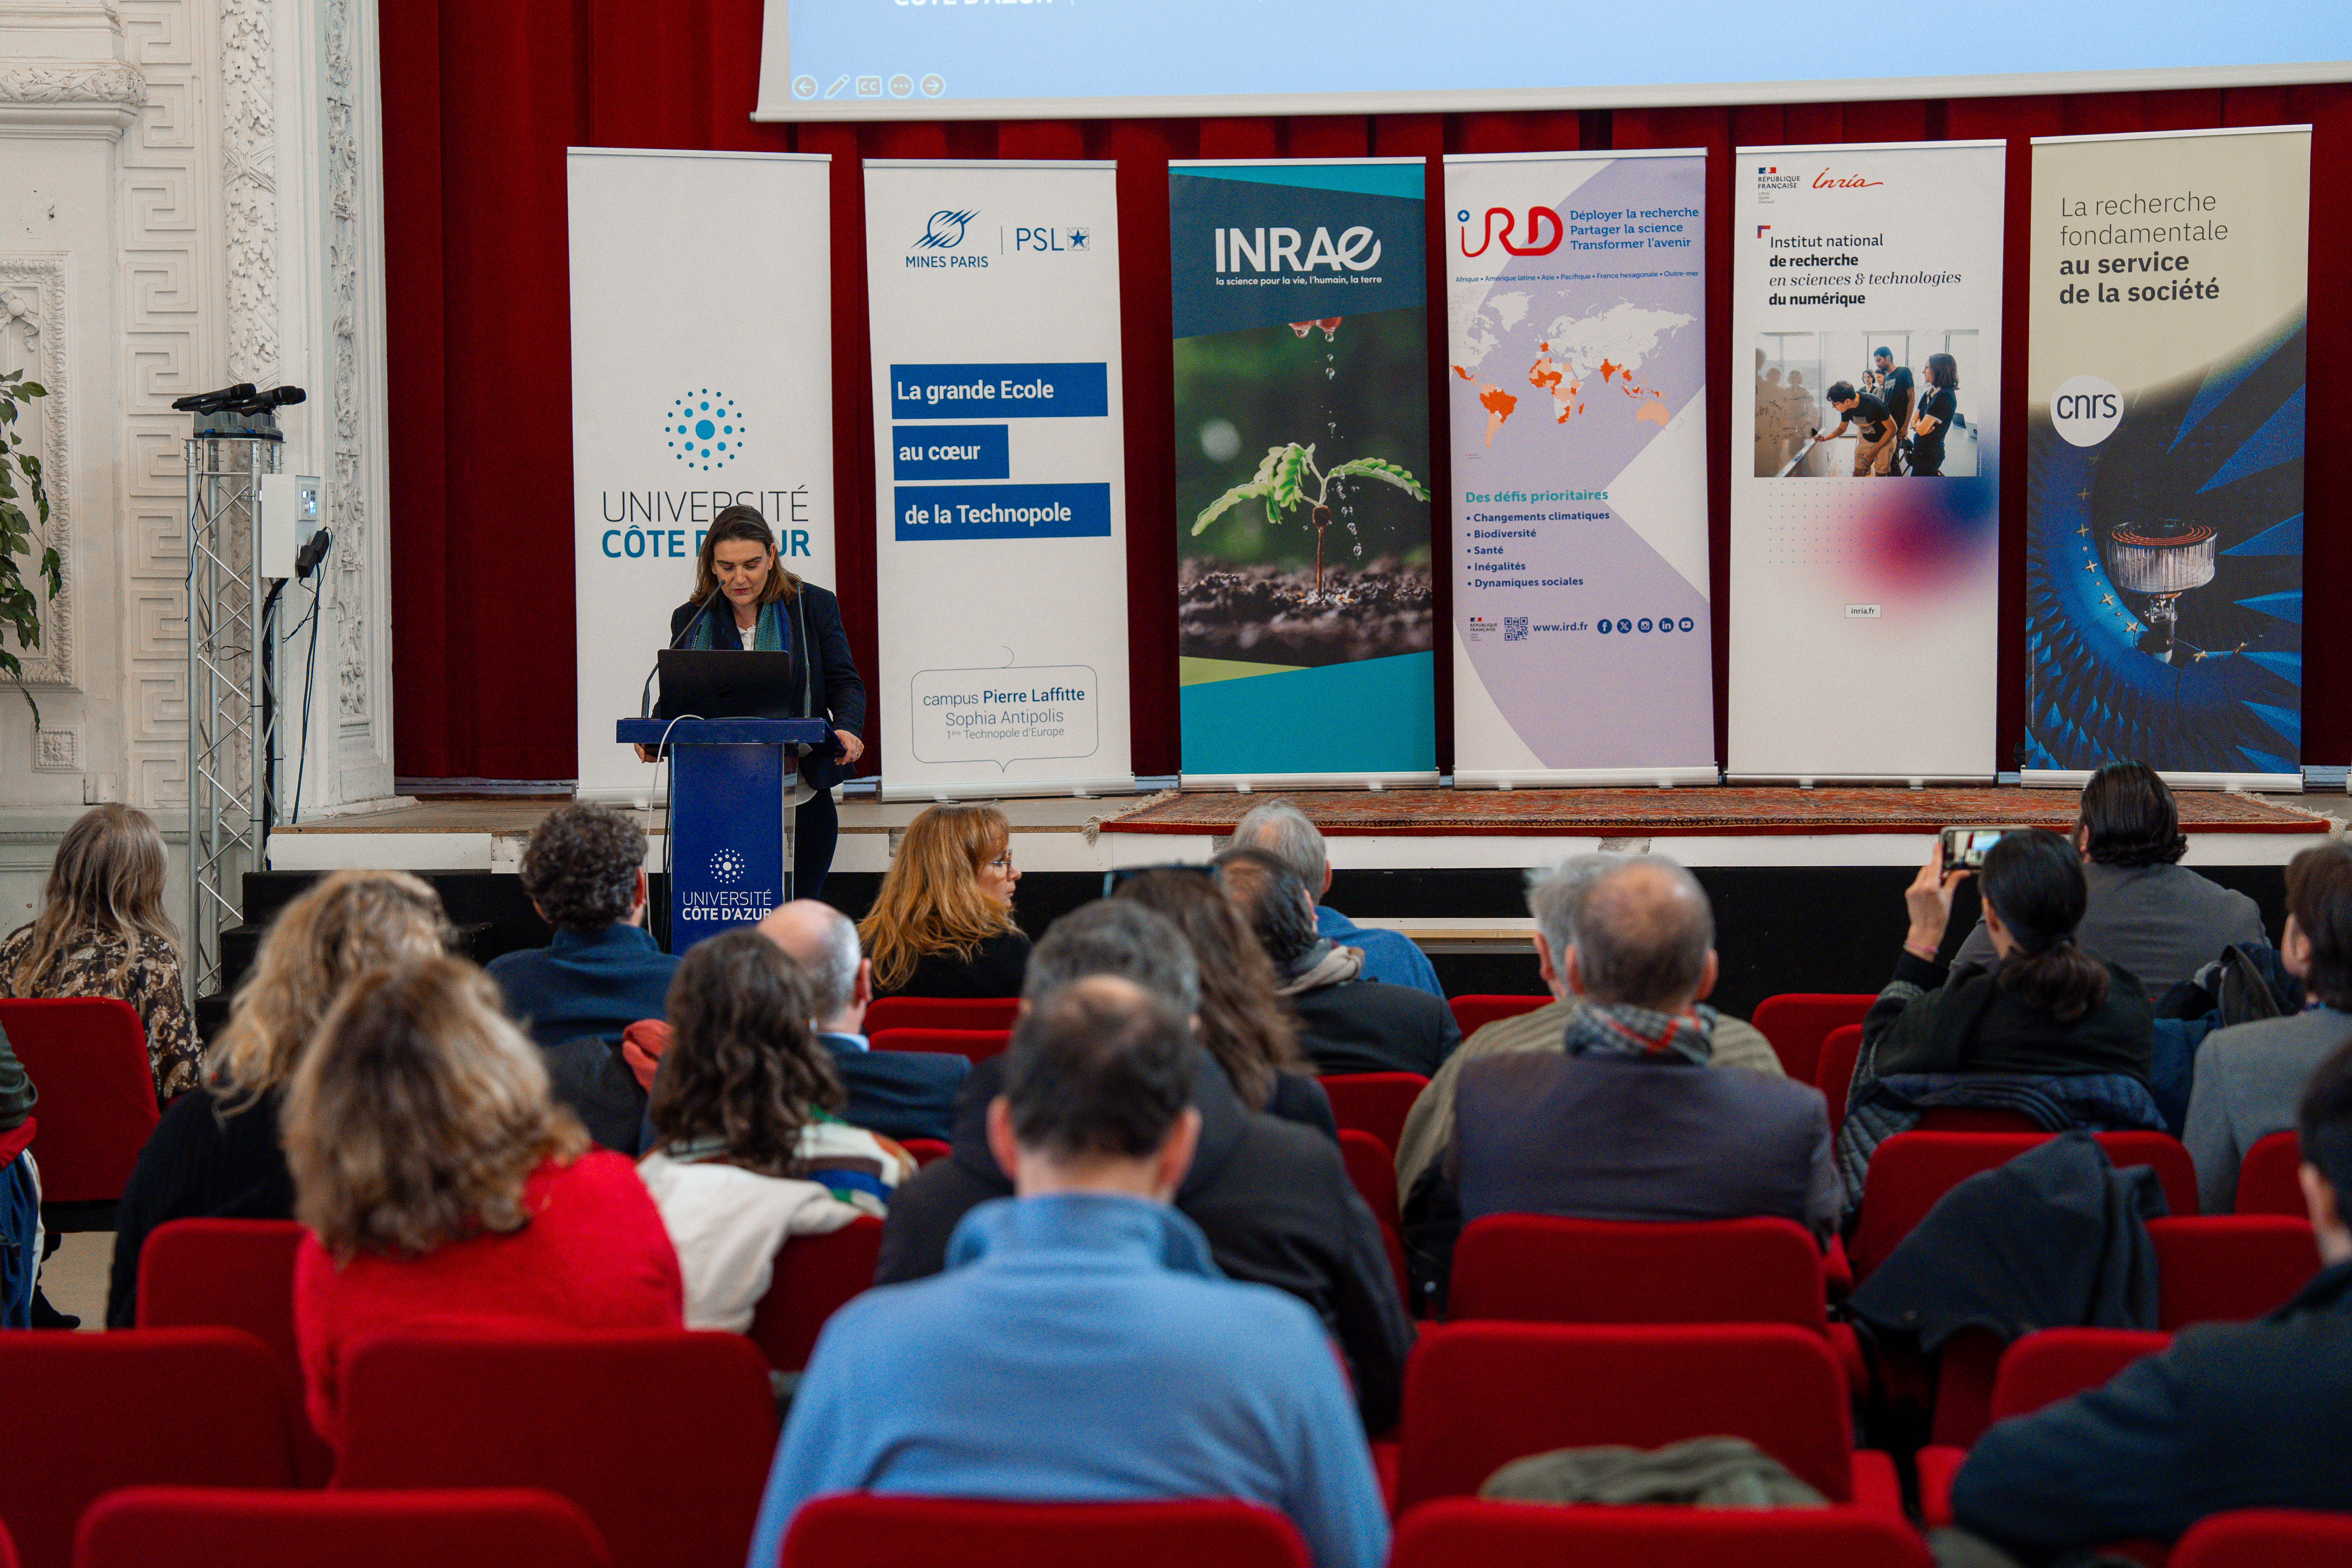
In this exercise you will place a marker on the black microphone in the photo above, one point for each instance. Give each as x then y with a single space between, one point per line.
646 696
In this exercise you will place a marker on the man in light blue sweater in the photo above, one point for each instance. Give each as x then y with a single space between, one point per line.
1081 1345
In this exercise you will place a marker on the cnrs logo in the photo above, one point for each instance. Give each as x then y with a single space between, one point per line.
1539 243
945 231
1357 249
2085 410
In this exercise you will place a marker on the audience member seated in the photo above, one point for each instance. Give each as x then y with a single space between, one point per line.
1084 1346
1243 1021
2249 1076
215 1153
1287 834
747 1150
1346 1024
102 932
942 924
899 1094
443 1188
1624 1122
585 871
2233 1415
20 1199
2145 911
1552 897
1273 1198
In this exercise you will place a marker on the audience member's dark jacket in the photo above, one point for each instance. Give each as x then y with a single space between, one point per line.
995 969
1363 1025
200 1163
586 983
1931 1020
2234 1415
16 1095
2161 922
591 1079
1273 1198
899 1094
2055 1238
1297 1097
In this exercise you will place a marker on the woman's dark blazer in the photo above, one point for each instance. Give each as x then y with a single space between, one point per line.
815 619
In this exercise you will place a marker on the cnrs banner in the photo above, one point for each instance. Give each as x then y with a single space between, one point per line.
728 400
1000 546
1304 618
2164 519
1577 343
1866 496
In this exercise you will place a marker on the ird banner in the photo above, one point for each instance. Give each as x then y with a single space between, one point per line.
2164 516
1866 331
1000 481
730 401
1576 308
1304 620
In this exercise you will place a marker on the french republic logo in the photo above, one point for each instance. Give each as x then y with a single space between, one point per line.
704 430
945 231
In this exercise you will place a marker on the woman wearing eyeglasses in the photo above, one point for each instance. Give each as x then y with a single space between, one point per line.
942 924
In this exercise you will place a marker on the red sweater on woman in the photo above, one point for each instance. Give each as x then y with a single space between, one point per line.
594 1256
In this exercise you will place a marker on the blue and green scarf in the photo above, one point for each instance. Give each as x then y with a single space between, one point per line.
772 635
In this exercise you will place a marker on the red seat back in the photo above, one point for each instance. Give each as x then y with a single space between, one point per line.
2059 1363
815 1275
1372 1168
192 1527
580 1414
7 1549
1540 1269
1973 1119
856 1529
87 1058
1798 1022
926 1151
977 1044
941 1013
2266 1538
2267 1183
2229 1268
1478 1396
90 1413
1457 1532
1374 1103
1472 1014
235 1273
1833 1075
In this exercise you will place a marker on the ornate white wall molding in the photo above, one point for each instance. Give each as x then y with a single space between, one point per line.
33 339
62 98
249 188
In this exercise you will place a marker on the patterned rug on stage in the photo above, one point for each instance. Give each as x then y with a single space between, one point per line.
1666 813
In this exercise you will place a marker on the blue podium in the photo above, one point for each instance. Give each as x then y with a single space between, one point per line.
731 814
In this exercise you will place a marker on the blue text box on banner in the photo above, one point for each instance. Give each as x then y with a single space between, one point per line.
1002 512
1000 391
950 452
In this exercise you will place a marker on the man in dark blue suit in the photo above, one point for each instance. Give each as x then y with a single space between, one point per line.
899 1094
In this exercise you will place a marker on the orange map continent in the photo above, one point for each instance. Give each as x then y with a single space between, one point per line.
1655 412
1498 404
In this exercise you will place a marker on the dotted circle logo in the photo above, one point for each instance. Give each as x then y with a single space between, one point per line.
726 866
704 430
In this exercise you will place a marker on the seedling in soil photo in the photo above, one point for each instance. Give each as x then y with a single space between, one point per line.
1281 482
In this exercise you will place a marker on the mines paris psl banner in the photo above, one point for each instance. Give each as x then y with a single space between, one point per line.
1577 343
1302 461
2164 511
1865 332
694 387
1001 543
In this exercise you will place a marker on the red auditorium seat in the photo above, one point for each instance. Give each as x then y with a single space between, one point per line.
88 1414
663 1438
1478 1396
814 1275
1374 1103
1833 1076
2230 1268
1472 1014
2267 1183
858 1530
1459 1532
196 1527
235 1273
1372 1171
2038 1370
2266 1538
7 1549
941 1013
1971 1119
1800 1021
87 1058
926 1151
977 1044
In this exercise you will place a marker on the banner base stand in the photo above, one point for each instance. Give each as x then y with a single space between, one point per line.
945 791
1705 774
1258 784
1903 781
2262 783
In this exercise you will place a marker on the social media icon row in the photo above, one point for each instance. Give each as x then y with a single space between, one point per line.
900 86
1628 625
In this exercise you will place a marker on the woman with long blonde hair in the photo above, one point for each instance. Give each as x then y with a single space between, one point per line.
942 924
442 1185
102 931
215 1152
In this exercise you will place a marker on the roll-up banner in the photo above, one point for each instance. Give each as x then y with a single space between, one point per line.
999 478
723 396
1304 620
2164 518
1577 338
1866 331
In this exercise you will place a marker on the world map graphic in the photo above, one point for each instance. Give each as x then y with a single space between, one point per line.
1566 357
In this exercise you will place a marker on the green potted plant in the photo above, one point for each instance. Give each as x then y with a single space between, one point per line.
21 487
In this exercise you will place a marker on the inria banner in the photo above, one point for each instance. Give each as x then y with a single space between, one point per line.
1302 462
1001 553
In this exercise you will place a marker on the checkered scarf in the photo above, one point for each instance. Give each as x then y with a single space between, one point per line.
1639 1032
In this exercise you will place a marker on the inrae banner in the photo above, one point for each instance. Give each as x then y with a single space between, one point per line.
1577 333
730 401
999 477
2165 406
1302 463
1865 332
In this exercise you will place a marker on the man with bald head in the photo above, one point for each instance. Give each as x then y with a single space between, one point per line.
1625 1123
899 1094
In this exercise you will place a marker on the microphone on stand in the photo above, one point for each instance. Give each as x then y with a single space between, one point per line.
646 696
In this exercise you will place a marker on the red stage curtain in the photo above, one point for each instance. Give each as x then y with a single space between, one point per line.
479 103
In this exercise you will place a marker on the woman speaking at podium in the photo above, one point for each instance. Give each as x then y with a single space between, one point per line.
744 598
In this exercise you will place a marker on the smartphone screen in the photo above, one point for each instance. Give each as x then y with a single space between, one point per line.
1964 848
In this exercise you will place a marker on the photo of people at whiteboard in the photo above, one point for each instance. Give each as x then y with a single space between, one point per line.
1864 404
